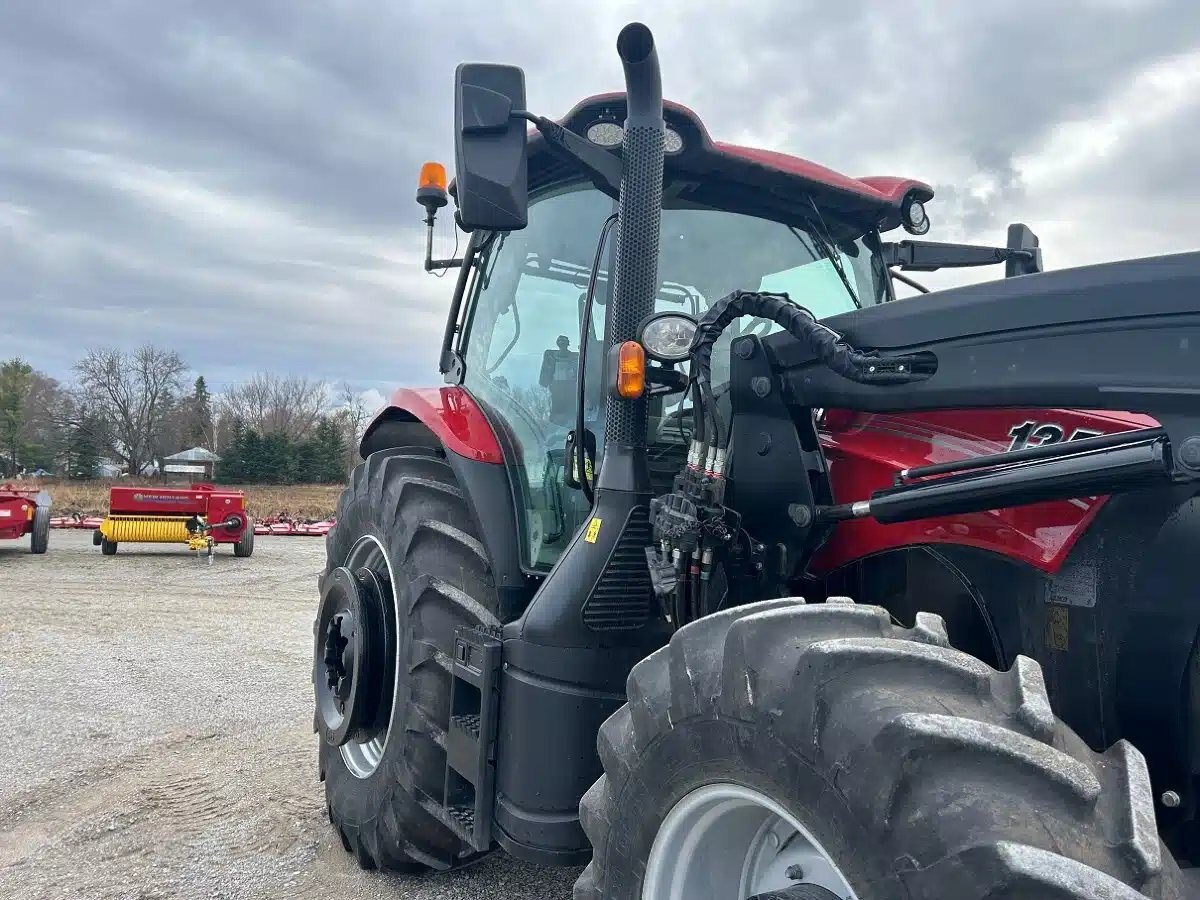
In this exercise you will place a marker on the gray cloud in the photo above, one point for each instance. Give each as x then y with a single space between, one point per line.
235 179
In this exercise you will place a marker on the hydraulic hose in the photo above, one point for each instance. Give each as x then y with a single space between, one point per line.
825 344
635 275
585 338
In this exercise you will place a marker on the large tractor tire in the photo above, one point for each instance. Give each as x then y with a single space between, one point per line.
405 569
783 744
39 539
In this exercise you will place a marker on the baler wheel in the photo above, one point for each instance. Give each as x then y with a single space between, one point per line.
39 540
245 546
404 528
107 547
97 538
783 749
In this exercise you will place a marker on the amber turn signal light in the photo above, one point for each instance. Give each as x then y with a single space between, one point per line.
631 371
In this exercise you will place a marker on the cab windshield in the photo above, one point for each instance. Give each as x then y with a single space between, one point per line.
524 326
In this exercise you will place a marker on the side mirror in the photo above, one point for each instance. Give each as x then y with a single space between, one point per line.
492 179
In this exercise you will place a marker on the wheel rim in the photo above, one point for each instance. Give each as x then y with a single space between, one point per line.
363 750
728 841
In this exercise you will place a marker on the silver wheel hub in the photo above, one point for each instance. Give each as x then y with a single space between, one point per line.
730 842
362 757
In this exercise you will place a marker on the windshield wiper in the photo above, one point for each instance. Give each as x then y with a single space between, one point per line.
828 249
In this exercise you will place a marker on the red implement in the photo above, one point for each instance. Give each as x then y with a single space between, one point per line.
223 510
19 515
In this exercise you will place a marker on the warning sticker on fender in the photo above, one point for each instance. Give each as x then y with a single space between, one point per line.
1074 585
1058 628
593 531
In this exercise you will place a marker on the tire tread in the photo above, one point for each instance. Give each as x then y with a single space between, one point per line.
912 731
412 501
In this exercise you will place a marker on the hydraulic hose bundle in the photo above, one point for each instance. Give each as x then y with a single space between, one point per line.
692 523
825 345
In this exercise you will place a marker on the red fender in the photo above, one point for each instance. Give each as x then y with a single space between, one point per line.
866 451
451 413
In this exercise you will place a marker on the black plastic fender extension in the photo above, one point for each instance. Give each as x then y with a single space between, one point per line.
565 665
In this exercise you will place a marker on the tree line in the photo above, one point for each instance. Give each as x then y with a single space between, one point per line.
124 412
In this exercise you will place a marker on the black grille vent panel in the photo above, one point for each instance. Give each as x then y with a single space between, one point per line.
624 598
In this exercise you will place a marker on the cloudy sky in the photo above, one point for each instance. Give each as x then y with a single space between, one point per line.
234 178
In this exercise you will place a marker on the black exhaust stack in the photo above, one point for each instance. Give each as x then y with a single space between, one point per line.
566 660
635 277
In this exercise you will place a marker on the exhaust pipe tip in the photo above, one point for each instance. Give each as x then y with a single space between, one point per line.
635 43
643 83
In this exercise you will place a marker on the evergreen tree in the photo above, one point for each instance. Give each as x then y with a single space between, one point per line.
198 428
277 459
16 378
322 457
232 468
307 461
332 439
252 457
83 447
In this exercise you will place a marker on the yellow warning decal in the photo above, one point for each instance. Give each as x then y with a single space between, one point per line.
593 531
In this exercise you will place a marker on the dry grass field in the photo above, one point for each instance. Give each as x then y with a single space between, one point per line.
300 501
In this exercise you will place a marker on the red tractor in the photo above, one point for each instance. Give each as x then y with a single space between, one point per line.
562 611
25 511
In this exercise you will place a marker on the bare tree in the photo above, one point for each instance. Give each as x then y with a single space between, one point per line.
353 415
44 404
354 412
290 405
134 393
84 434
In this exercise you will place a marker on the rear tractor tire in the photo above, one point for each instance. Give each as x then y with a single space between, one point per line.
782 745
405 569
39 539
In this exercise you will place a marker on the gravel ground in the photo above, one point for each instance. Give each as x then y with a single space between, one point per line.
157 736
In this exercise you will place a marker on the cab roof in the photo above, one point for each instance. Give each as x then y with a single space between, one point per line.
731 176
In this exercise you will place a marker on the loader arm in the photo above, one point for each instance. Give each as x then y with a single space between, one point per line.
1121 336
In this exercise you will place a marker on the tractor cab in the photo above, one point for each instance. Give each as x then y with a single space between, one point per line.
732 217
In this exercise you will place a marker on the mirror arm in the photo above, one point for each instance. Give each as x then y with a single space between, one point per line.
602 166
432 264
451 363
929 256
